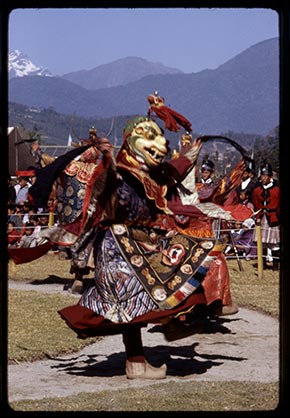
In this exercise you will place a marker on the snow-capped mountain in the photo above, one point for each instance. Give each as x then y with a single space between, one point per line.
20 65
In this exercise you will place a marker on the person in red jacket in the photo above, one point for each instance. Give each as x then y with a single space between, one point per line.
13 234
266 200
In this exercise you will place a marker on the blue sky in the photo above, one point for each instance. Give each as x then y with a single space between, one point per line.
66 40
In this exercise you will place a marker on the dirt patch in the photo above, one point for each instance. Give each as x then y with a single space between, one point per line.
241 347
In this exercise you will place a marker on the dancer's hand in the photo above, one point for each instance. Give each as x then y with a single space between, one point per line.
192 150
104 146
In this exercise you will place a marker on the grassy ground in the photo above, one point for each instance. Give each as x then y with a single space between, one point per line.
180 397
34 328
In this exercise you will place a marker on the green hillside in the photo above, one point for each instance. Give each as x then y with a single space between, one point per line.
53 128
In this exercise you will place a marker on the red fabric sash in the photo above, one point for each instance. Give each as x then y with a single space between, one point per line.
25 255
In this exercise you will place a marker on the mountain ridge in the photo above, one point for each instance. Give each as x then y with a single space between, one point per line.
241 95
118 72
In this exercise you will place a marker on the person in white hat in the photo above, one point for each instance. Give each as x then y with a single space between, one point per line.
266 200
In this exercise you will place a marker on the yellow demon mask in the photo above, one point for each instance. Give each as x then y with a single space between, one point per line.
145 141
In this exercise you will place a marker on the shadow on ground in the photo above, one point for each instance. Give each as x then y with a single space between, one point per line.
181 361
52 279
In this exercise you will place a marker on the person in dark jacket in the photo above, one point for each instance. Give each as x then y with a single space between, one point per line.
247 182
11 192
266 200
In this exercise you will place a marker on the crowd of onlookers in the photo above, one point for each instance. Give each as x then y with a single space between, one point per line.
24 223
262 196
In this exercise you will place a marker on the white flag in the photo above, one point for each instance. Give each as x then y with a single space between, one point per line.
69 141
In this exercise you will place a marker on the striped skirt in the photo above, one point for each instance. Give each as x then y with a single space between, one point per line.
270 234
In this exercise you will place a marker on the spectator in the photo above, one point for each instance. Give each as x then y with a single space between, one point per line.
43 221
42 229
19 212
242 235
22 193
14 216
245 240
245 198
27 210
206 186
247 183
266 200
11 191
37 228
28 240
13 234
33 218
222 191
